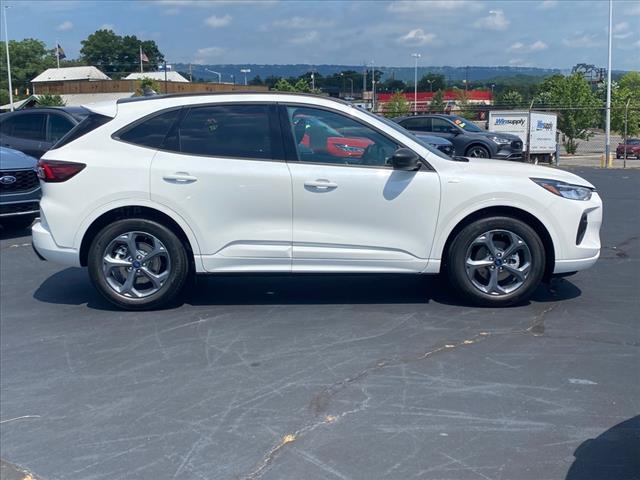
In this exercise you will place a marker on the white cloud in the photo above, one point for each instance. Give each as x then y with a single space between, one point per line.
634 11
538 46
107 26
581 40
303 23
620 27
204 55
413 7
65 26
417 37
548 4
306 37
216 22
516 47
622 36
496 20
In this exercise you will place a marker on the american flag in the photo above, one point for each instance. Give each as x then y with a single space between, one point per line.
143 57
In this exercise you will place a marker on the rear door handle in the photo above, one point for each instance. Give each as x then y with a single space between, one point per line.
320 184
180 177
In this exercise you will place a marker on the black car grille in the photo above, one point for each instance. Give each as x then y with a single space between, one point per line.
25 181
516 144
16 208
448 149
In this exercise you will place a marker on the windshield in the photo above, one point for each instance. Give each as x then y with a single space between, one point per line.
465 124
406 132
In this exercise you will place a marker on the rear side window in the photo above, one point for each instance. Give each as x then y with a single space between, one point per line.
236 131
419 124
29 126
152 131
58 127
90 123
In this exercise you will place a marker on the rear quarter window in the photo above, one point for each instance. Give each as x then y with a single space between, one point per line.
150 131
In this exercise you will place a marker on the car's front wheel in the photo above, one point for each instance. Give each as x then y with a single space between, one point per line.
496 261
478 151
138 264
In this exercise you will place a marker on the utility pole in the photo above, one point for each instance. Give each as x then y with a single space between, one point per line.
607 146
466 78
416 56
364 81
373 86
190 74
6 44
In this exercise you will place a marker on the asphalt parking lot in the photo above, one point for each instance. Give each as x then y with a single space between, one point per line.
327 377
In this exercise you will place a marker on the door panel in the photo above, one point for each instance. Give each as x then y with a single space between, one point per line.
239 208
356 213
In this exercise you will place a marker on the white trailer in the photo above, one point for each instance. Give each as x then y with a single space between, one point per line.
537 130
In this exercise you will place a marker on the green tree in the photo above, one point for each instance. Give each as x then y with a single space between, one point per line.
118 56
392 85
146 86
511 99
397 106
577 106
463 104
432 82
29 58
49 100
256 81
437 102
626 90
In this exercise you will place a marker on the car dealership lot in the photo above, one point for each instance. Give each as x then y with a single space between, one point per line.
326 376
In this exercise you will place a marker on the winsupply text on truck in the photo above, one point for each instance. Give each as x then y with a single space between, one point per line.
506 121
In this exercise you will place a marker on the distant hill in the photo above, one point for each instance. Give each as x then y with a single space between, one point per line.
401 73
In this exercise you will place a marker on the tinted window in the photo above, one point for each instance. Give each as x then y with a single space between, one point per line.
58 127
240 131
152 131
419 124
90 123
440 125
29 126
321 136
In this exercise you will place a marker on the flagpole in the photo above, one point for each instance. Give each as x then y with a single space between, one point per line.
140 58
6 43
58 53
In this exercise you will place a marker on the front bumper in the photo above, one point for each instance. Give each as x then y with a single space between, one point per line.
47 249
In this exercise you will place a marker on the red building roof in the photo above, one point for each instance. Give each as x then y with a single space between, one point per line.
476 95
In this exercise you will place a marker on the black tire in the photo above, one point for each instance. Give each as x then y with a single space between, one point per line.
176 259
456 261
478 151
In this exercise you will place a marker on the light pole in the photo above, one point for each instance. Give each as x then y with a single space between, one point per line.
607 146
215 73
373 86
343 88
351 80
416 56
245 71
6 43
492 87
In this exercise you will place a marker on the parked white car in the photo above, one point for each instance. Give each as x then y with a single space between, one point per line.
146 192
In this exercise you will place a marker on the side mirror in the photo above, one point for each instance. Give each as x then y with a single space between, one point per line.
405 159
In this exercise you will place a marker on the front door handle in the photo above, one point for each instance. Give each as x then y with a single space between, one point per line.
320 184
180 177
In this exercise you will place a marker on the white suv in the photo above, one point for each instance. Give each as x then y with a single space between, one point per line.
146 192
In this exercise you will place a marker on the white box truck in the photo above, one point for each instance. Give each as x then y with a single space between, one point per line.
541 127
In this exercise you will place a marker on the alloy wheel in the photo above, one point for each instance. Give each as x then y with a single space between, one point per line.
498 262
478 152
136 264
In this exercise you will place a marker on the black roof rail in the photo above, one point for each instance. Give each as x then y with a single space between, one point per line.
243 92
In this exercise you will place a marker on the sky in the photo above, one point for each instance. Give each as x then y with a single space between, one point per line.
536 33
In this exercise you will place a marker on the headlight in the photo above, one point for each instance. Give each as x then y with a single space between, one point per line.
500 140
566 190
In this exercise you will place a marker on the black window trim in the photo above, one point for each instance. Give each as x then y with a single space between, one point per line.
291 151
275 137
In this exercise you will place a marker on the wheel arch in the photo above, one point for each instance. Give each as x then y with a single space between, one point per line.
507 211
137 211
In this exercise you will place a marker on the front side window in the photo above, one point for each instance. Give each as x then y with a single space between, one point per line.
440 125
151 132
29 127
58 127
321 136
237 131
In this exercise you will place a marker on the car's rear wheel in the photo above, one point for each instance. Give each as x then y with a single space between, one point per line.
496 261
478 151
138 264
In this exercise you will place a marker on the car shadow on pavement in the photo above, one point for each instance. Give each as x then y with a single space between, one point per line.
72 287
614 455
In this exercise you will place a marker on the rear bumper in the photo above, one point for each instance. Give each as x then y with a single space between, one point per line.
47 249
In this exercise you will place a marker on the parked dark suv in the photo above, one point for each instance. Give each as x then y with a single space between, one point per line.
35 130
468 139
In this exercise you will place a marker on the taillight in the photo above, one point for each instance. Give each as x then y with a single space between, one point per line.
56 171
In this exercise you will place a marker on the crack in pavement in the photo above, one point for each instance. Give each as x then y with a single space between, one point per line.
320 402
